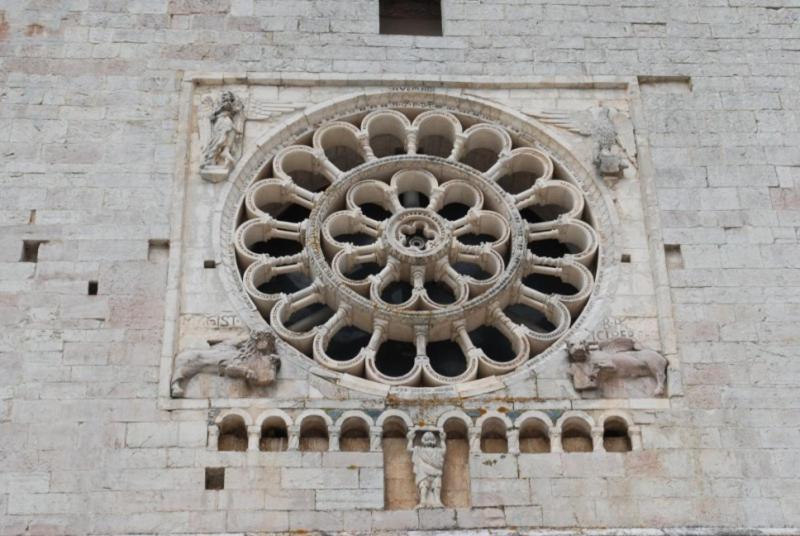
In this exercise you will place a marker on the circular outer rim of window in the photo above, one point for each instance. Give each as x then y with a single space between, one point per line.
422 244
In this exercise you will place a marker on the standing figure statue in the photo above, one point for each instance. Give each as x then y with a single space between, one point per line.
225 127
251 358
428 461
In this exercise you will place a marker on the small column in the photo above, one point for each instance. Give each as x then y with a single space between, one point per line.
555 441
253 436
410 439
411 141
375 439
513 441
499 168
294 437
474 440
597 440
363 139
213 437
458 145
333 438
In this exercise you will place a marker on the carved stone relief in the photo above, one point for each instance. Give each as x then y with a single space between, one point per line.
222 128
615 367
251 358
336 229
221 124
399 237
428 460
609 155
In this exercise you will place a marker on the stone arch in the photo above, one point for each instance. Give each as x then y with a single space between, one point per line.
246 417
535 432
314 430
576 429
394 414
354 431
274 425
618 431
233 425
454 414
494 428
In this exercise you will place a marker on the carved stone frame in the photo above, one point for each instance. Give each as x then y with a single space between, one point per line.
440 88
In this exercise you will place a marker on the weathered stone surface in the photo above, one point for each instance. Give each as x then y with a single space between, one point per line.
95 117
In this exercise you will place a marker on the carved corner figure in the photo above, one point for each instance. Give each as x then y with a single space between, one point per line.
222 132
428 459
596 363
250 358
609 155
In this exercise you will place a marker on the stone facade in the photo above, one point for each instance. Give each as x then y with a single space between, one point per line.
679 126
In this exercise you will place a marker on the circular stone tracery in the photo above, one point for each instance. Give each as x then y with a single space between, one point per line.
415 251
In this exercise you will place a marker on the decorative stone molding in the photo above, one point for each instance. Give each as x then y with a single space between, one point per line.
329 149
596 428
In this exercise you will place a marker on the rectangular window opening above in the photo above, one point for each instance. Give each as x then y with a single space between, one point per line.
411 17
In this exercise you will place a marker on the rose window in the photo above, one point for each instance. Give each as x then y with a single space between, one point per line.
416 248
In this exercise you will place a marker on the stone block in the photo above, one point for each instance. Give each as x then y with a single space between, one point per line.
523 516
469 518
151 435
499 492
493 466
349 499
352 459
395 520
330 478
313 520
370 478
437 518
241 521
283 499
545 465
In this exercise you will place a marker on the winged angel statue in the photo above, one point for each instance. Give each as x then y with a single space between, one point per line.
221 128
609 154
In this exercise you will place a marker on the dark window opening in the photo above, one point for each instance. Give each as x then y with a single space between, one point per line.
215 478
30 250
157 250
411 17
92 288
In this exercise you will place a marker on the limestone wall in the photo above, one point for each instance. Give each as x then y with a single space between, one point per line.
90 104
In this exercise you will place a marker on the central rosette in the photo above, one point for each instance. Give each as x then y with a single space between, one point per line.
415 240
418 236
